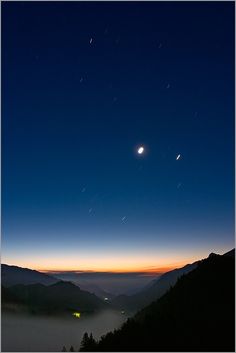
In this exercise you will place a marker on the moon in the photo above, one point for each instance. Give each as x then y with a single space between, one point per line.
140 150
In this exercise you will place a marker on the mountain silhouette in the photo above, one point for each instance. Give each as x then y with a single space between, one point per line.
230 253
197 314
12 275
57 298
153 291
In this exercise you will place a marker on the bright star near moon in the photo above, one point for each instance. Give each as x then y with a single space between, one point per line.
140 150
178 157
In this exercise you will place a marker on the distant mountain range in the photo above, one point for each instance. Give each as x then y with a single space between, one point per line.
153 291
83 283
107 284
37 292
196 314
12 275
58 298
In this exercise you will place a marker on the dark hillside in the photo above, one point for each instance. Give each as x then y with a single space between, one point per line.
197 314
57 298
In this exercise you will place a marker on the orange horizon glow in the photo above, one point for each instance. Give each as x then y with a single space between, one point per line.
143 271
148 264
147 270
150 270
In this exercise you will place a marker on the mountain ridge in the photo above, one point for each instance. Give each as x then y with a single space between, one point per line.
60 297
153 291
12 275
196 314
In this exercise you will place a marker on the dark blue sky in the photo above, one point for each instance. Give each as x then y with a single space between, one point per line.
73 112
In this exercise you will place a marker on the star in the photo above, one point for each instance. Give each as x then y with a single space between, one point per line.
178 157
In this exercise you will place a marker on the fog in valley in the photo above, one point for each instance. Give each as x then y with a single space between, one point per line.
113 283
24 333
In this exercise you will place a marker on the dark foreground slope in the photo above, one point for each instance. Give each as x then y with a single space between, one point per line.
197 314
58 298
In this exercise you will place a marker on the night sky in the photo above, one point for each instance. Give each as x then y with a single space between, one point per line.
84 85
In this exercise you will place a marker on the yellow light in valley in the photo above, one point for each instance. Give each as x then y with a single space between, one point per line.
76 314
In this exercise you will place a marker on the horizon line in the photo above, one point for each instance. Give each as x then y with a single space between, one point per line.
147 270
152 270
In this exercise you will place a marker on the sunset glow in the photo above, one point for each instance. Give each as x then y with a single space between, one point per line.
117 175
116 263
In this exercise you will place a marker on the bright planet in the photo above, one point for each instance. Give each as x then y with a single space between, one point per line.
140 150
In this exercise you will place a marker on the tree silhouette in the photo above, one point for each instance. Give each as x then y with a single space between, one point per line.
92 343
88 343
84 342
64 349
72 349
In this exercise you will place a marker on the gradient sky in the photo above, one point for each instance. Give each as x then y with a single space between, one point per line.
84 84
